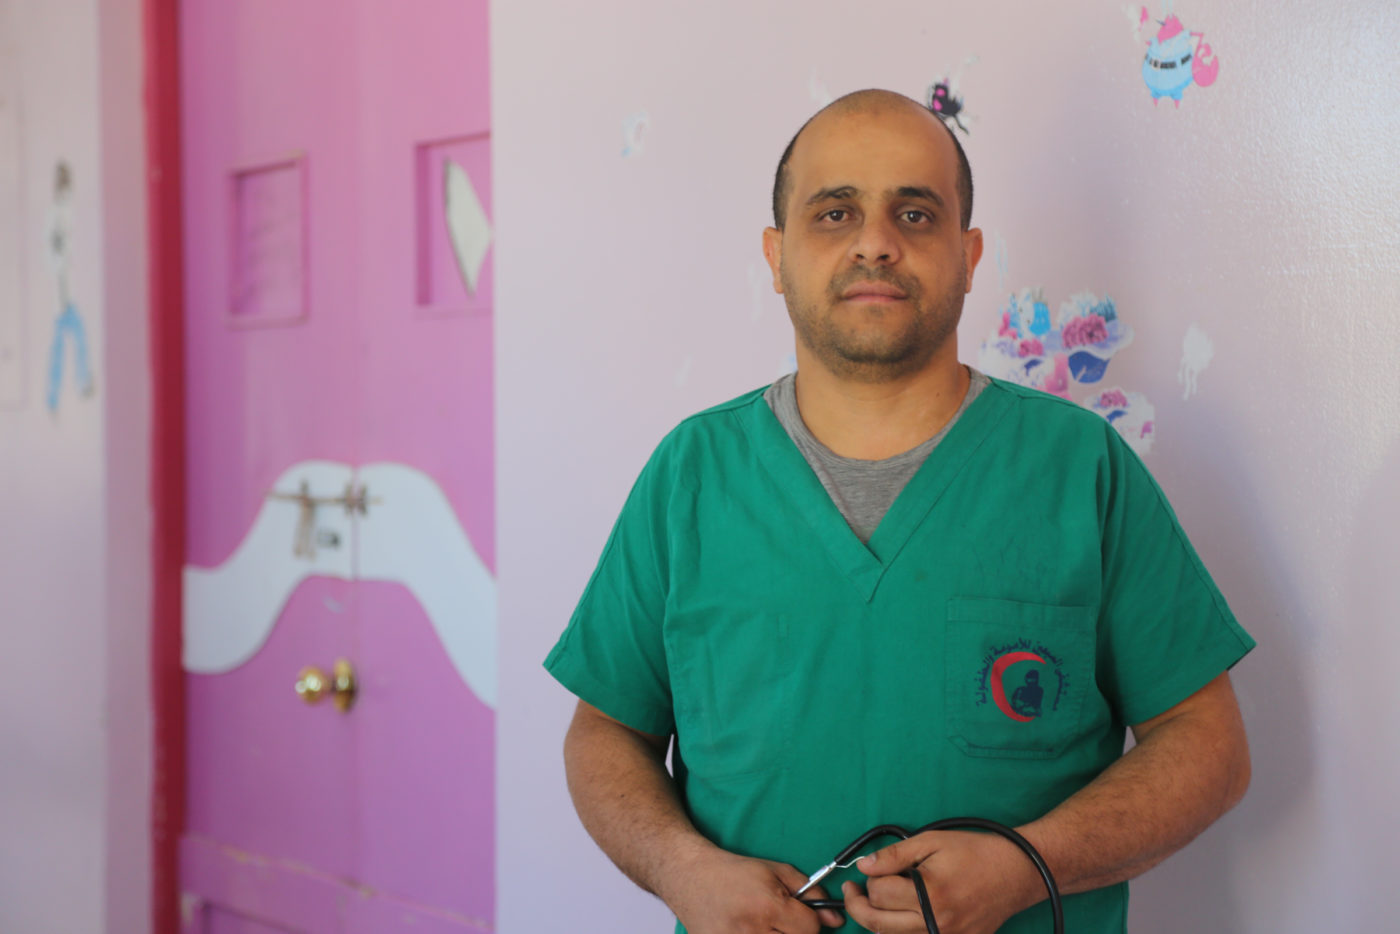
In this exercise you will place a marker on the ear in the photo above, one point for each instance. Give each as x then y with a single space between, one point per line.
972 252
773 252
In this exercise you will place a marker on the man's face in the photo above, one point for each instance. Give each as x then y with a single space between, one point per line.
872 259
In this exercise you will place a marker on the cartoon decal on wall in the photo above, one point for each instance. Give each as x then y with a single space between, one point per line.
1173 61
1072 353
944 97
634 129
1197 351
68 327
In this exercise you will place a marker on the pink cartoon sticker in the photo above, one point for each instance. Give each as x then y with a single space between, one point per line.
1176 57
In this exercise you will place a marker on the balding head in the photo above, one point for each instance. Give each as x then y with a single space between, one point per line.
872 102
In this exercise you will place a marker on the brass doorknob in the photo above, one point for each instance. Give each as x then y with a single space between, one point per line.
312 684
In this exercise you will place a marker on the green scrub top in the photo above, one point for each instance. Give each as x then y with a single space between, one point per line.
1027 596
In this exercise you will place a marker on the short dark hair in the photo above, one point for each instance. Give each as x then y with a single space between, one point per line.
781 183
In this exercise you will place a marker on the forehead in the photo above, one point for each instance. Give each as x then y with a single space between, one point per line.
874 152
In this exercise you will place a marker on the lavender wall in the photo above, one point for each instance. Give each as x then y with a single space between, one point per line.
1261 212
74 539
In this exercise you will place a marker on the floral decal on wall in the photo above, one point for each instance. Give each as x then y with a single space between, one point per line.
1069 357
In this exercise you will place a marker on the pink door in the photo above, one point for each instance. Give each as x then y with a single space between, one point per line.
340 467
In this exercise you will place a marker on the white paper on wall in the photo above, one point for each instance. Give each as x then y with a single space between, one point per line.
467 224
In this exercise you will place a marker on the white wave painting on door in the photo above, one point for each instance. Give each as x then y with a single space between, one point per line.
406 533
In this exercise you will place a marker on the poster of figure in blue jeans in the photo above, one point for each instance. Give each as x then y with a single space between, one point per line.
68 327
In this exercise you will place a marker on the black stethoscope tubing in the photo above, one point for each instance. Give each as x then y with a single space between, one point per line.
950 823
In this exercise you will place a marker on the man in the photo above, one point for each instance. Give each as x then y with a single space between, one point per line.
825 590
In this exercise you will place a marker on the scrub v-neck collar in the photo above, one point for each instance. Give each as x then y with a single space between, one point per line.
864 565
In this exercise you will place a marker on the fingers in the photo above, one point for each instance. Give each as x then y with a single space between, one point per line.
892 893
900 856
794 879
790 876
885 921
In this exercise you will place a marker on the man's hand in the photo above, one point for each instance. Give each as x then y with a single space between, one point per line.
723 893
629 803
975 882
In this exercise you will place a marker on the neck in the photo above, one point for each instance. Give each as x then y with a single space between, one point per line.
873 420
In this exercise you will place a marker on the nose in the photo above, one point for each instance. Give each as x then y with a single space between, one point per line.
877 241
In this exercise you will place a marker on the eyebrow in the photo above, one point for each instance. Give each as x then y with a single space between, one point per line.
905 191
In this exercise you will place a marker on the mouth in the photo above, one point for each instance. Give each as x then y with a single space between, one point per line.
873 293
872 296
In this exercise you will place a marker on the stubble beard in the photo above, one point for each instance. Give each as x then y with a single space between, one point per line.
875 355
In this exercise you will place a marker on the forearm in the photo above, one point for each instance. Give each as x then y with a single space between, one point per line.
628 801
1184 774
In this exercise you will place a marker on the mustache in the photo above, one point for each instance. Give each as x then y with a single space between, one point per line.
872 274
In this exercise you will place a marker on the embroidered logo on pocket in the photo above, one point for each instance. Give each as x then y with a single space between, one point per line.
1024 679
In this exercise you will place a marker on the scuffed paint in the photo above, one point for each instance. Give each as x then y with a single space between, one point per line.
1197 350
684 370
190 907
634 130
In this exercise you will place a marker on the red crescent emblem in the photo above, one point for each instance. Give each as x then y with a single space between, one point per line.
999 691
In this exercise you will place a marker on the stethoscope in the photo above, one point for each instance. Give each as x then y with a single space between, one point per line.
847 858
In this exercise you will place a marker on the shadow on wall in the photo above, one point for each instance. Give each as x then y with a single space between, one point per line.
1200 889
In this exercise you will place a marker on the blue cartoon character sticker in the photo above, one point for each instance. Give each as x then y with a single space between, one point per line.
1173 61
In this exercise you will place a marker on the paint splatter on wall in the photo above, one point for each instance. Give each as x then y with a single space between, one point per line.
1197 351
1067 356
634 129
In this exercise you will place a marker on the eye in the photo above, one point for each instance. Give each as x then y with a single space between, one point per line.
832 215
915 216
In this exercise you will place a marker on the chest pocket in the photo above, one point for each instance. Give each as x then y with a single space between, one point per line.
733 686
1017 675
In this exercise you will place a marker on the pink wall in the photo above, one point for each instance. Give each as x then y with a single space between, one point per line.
74 720
1261 211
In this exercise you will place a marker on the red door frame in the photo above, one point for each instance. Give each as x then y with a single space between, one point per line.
167 338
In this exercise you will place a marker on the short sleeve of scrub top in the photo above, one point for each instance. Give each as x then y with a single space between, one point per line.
1165 630
611 655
